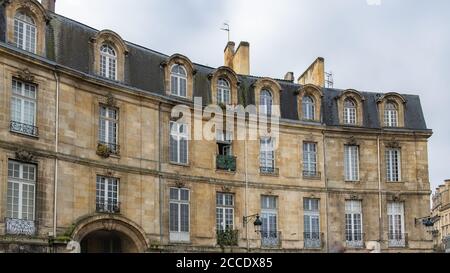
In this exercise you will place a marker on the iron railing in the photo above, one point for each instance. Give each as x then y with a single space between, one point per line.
226 163
24 129
354 240
313 240
397 240
269 171
20 227
312 174
113 148
106 206
270 239
227 237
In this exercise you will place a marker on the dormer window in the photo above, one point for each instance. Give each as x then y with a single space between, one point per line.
108 62
391 114
308 108
178 81
266 102
223 92
25 32
350 112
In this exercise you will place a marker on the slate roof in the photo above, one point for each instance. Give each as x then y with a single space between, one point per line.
68 44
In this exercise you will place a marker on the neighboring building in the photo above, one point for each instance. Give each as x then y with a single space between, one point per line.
441 212
90 155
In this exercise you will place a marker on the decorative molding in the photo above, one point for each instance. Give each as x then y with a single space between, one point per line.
393 144
352 141
24 156
226 189
25 75
111 100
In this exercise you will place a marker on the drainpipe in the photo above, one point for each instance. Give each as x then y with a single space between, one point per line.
161 190
379 191
56 154
246 192
326 188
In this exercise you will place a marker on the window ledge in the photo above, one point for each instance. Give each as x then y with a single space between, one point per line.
179 164
353 181
226 172
36 137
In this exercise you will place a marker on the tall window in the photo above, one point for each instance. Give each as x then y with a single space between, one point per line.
393 165
223 92
179 215
391 115
269 216
25 32
308 108
311 219
351 164
23 108
178 143
309 159
396 217
21 191
107 194
108 129
350 112
266 102
225 211
108 62
267 155
353 223
178 81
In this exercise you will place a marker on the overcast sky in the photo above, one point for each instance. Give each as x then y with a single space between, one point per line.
399 45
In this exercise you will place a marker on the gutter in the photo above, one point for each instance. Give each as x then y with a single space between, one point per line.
380 204
55 197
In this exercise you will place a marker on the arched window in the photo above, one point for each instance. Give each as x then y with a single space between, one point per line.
25 32
308 108
349 112
108 62
391 114
178 81
266 102
223 92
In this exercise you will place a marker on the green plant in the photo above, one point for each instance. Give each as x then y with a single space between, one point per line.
103 151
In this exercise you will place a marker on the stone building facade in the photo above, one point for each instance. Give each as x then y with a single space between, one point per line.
91 159
441 212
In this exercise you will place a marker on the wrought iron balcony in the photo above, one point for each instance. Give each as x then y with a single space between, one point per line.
109 207
312 175
313 240
270 239
269 171
20 227
24 129
397 240
354 240
226 163
106 149
227 237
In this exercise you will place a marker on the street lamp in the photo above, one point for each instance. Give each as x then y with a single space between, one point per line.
258 223
428 222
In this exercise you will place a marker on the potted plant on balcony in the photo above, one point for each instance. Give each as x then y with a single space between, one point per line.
103 150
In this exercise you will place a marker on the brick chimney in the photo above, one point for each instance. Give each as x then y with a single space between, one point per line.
49 5
289 77
239 59
315 74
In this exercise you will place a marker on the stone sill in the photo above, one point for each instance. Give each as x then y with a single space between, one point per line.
24 135
179 164
226 172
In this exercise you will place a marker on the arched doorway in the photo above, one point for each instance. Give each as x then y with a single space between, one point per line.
104 241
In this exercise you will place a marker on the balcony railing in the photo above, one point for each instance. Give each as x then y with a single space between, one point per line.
109 207
270 239
269 171
312 175
24 129
313 240
397 239
226 163
354 240
227 237
106 149
20 227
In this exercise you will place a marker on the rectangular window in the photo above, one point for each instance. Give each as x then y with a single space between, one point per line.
269 218
309 159
21 191
108 128
224 143
351 163
393 165
107 195
267 155
225 211
312 235
179 215
396 218
23 108
179 143
353 223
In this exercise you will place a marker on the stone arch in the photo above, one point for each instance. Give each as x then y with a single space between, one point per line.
274 88
358 99
178 59
228 74
316 94
399 101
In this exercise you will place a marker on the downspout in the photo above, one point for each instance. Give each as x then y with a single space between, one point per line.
161 192
326 188
56 154
380 204
246 192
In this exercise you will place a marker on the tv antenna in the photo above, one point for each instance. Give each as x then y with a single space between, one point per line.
329 81
226 27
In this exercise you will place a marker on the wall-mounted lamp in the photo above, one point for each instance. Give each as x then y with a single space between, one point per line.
258 223
428 222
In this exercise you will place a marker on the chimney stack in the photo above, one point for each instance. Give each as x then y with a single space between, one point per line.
315 74
49 5
239 59
289 76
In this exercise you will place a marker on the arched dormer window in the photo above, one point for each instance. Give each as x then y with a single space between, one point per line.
266 102
391 114
108 62
350 115
308 107
178 81
25 32
223 92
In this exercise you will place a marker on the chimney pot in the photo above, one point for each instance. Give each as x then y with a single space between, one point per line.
239 59
49 5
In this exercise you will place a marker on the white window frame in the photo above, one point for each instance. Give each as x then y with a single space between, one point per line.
109 121
266 102
350 113
28 33
396 223
310 159
179 132
179 235
177 79
21 181
351 163
109 183
391 115
309 108
19 94
108 62
311 214
354 227
393 165
267 153
223 210
223 92
269 212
